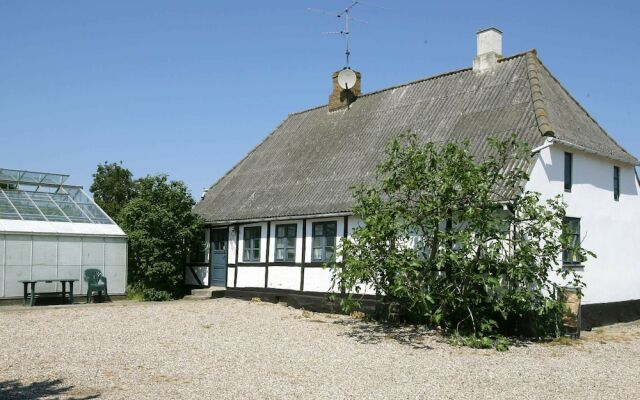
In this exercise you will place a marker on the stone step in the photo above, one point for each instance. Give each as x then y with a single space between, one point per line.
206 293
195 298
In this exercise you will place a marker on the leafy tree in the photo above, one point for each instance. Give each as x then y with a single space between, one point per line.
445 240
112 188
161 227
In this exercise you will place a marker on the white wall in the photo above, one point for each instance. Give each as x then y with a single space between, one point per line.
231 245
609 228
231 272
284 277
317 279
203 274
250 277
49 256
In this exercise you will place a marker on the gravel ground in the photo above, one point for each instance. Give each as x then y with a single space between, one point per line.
232 349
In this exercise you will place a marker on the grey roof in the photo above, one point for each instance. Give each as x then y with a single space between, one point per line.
308 164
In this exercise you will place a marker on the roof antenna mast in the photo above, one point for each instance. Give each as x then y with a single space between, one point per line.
344 14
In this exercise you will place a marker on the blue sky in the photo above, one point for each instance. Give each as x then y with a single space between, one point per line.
187 88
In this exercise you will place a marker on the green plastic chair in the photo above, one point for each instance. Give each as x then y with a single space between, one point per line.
96 282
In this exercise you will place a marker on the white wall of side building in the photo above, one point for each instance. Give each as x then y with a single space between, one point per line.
27 257
609 228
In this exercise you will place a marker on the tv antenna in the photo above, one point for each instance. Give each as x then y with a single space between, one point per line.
346 16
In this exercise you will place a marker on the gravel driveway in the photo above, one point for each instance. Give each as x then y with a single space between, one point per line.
232 349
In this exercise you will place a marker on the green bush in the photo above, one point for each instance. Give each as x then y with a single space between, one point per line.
161 229
155 213
457 243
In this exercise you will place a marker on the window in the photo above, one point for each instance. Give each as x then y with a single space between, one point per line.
219 239
568 171
252 243
571 229
324 241
286 242
616 183
197 253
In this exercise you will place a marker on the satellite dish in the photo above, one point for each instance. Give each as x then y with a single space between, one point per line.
347 78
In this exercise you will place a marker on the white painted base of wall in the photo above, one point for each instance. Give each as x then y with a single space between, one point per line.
251 277
284 278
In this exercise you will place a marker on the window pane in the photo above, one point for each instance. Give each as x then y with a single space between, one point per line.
328 253
291 242
246 254
280 242
317 254
568 171
291 255
256 254
331 241
317 229
280 231
331 229
279 254
292 231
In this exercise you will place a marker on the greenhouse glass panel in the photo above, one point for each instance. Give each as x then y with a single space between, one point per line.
24 205
94 213
48 207
41 196
6 209
70 209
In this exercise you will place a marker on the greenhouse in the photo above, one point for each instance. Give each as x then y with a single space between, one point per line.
52 230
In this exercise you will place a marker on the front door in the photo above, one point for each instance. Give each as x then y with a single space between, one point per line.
218 275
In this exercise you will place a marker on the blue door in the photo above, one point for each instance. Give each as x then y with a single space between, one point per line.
218 275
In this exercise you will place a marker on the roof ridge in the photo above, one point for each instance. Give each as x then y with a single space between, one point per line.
428 78
536 95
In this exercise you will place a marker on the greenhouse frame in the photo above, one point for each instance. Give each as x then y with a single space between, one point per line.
53 230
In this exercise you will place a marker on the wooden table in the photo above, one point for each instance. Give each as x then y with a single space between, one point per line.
33 282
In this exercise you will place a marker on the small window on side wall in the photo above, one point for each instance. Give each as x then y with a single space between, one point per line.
251 238
616 183
568 171
571 252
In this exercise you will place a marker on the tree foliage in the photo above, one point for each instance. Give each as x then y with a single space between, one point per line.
446 240
112 188
161 228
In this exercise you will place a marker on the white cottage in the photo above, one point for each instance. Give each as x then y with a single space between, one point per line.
51 230
276 216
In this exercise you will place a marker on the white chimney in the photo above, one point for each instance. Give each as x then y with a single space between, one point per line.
489 43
